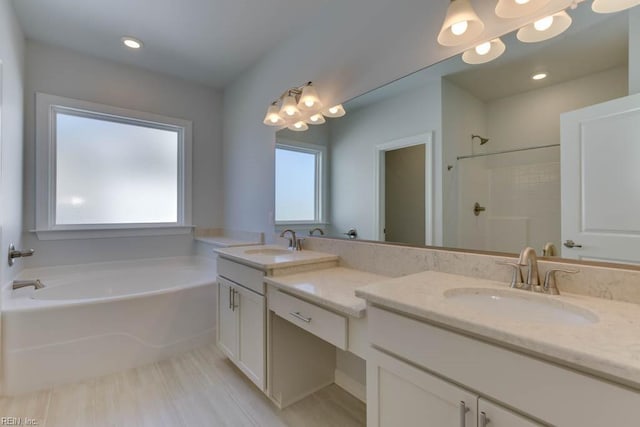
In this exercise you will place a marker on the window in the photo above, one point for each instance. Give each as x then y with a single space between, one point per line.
299 184
106 168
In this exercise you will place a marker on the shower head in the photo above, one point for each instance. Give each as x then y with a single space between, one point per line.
482 140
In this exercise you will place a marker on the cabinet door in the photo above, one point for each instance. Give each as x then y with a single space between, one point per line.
401 395
251 334
492 415
227 319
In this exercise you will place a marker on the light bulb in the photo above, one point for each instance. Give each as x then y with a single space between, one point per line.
315 118
290 111
131 42
298 125
543 24
539 76
484 48
309 103
273 118
333 110
459 28
522 1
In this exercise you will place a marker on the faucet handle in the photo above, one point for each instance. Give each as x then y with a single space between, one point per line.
517 278
549 286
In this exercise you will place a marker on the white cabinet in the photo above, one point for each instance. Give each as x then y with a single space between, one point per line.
535 388
241 321
402 395
492 415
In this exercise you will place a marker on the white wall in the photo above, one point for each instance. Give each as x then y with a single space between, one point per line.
11 137
66 73
353 149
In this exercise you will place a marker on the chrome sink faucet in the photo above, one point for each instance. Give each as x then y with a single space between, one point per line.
17 284
294 243
529 258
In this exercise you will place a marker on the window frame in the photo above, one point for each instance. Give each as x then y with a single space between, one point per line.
47 108
320 152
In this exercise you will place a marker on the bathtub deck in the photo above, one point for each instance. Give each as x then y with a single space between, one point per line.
199 388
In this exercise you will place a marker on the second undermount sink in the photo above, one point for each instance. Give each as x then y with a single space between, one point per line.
267 251
521 306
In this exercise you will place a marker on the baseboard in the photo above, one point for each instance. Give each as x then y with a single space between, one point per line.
351 386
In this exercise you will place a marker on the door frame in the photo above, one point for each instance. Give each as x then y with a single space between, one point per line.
425 139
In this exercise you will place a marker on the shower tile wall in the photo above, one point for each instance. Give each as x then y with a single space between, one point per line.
529 195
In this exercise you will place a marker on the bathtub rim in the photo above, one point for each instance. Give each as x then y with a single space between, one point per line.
11 303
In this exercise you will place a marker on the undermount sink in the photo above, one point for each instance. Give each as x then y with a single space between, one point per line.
267 251
521 306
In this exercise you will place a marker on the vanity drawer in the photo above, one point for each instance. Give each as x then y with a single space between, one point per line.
241 274
322 323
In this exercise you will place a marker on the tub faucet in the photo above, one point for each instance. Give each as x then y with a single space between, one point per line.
528 257
17 284
294 243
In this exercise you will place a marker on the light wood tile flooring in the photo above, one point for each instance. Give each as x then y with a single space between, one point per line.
199 388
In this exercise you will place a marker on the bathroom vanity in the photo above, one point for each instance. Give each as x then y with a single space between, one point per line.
461 351
441 348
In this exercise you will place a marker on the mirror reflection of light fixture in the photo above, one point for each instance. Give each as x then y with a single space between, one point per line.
298 107
545 28
539 76
335 111
461 24
518 8
484 52
611 6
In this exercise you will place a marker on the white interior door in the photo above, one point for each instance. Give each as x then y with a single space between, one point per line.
600 175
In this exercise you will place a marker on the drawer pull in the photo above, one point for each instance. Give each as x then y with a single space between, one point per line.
484 420
299 316
463 413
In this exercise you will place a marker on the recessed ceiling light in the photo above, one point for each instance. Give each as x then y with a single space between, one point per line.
539 76
131 42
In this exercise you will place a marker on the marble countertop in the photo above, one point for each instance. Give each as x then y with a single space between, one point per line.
332 287
262 261
608 347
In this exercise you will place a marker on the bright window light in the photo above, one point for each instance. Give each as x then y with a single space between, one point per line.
298 185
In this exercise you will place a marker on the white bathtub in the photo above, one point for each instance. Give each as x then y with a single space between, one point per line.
94 319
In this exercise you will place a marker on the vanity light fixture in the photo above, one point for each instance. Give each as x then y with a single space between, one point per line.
539 76
131 42
335 111
484 52
461 24
518 8
299 107
298 126
545 28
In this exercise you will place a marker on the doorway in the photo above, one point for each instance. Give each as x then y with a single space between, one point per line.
404 190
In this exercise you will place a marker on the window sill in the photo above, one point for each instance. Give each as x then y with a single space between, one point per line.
102 233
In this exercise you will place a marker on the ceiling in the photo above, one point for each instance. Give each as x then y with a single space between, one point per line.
207 41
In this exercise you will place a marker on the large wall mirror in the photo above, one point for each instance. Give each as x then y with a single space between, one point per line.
472 156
